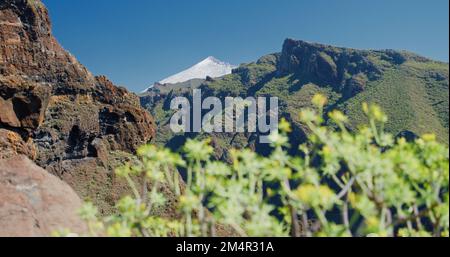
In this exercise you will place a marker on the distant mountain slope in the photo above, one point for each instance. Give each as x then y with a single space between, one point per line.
209 67
413 90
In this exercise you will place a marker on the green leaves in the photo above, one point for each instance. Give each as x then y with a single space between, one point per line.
88 212
198 150
320 197
360 183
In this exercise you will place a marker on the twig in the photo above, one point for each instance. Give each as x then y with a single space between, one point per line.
346 188
345 217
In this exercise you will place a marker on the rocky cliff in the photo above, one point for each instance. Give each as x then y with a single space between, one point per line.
53 110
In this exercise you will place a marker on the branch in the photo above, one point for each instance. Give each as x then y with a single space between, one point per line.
346 188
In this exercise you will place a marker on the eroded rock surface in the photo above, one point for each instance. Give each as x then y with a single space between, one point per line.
75 125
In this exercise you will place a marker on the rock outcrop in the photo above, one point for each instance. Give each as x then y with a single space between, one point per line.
326 65
12 144
34 202
75 125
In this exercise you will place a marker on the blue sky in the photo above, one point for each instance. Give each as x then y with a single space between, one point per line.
138 42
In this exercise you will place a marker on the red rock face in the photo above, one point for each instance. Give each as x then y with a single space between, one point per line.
29 50
35 203
12 144
71 118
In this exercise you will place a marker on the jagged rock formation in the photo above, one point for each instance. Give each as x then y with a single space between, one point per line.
53 110
324 64
34 202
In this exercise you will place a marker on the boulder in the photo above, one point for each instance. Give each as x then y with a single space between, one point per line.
34 202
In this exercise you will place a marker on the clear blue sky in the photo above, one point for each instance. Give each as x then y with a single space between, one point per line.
138 42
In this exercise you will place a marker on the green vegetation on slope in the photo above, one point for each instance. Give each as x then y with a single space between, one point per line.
413 90
413 99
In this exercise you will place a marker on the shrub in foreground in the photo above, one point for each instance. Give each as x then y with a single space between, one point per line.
362 183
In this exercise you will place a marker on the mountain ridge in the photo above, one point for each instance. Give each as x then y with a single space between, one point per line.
412 90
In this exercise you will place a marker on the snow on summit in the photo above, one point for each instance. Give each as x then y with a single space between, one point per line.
210 66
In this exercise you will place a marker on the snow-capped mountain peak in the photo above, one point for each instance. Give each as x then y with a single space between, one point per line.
210 66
